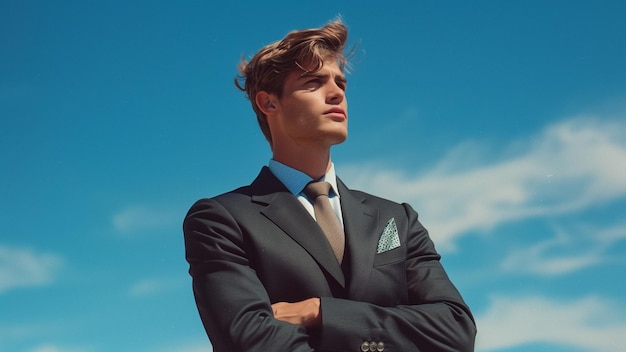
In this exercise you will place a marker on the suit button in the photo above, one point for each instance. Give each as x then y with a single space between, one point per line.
373 346
365 346
381 347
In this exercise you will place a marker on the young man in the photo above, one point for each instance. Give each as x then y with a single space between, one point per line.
268 277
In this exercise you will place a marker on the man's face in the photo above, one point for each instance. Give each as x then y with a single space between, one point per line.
313 109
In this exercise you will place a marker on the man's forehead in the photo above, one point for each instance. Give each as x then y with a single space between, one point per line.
330 67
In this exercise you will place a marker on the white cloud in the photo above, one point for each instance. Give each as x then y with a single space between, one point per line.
47 348
152 286
20 332
567 252
35 334
22 267
589 323
54 348
569 166
140 218
200 345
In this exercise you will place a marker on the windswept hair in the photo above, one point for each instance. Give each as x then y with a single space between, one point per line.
303 49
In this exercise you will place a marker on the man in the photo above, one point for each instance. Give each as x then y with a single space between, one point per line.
268 277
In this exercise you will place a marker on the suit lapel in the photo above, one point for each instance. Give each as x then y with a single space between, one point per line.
283 209
360 222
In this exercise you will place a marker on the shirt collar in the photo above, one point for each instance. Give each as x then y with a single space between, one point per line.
296 180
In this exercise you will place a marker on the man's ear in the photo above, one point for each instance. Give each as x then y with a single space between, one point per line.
266 102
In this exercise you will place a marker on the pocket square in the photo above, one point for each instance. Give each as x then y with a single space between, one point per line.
389 239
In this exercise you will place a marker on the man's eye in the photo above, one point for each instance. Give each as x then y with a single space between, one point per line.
312 84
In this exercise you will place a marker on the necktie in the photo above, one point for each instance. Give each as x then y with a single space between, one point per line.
326 218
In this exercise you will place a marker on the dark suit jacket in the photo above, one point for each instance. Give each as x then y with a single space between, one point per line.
257 245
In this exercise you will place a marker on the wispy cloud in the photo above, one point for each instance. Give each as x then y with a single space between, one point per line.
140 218
567 251
41 336
22 331
590 323
23 267
151 286
567 167
55 348
200 344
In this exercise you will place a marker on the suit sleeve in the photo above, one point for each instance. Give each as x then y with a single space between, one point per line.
232 302
436 318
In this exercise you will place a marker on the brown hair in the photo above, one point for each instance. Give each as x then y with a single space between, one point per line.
303 49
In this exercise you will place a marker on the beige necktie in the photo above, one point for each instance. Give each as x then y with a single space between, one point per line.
326 218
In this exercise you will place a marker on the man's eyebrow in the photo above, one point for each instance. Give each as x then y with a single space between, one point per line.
317 74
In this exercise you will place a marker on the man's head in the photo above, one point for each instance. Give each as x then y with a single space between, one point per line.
303 50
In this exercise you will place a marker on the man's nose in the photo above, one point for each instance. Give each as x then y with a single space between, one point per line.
335 94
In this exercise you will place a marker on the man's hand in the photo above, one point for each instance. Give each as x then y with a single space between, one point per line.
305 313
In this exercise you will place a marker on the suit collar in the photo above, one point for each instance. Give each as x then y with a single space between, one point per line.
266 186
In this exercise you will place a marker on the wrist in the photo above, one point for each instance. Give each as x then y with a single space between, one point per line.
314 316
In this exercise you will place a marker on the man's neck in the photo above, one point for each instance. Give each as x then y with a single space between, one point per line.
314 164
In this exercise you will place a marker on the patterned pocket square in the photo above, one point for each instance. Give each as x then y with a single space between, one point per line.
389 239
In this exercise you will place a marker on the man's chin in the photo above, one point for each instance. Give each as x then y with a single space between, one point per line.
338 139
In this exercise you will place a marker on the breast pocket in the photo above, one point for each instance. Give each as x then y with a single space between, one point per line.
389 257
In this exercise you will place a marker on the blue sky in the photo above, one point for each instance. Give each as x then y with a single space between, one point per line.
502 122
